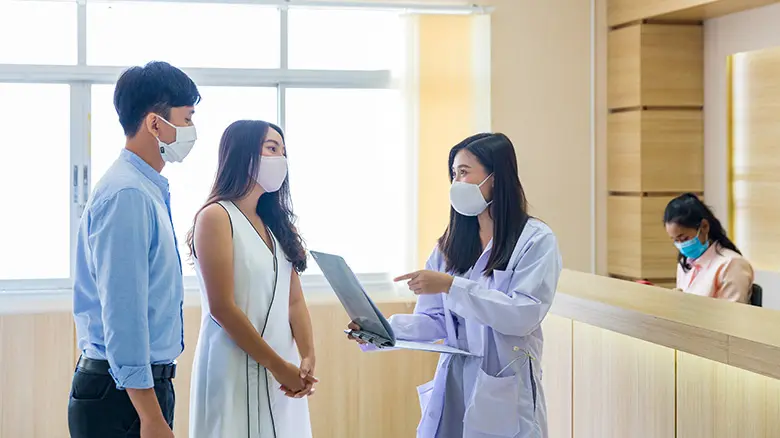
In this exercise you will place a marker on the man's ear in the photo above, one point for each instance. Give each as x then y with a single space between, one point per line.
152 124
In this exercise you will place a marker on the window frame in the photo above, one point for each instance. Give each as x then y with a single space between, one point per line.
81 77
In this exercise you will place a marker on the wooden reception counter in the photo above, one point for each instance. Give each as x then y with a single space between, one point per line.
621 360
628 360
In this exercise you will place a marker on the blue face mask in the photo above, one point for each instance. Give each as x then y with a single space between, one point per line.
692 248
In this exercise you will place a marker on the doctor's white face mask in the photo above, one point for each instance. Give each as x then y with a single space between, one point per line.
467 198
271 173
177 151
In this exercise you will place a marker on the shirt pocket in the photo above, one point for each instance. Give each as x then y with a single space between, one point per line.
502 406
501 280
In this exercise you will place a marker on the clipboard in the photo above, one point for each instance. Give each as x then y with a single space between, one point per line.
374 327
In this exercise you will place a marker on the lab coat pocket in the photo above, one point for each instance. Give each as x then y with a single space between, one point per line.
501 279
497 406
424 392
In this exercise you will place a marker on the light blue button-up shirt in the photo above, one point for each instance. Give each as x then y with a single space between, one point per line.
128 289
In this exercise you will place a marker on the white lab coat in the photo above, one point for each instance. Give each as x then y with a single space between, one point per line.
498 317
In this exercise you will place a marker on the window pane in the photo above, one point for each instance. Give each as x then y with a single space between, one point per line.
333 39
38 32
210 35
348 174
191 180
34 158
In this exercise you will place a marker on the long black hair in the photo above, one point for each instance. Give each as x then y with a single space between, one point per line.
688 211
239 159
460 244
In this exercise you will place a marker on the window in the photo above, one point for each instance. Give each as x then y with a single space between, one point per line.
190 181
300 67
326 39
186 35
347 173
34 156
23 22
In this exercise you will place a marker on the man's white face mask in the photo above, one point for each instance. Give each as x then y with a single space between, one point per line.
180 147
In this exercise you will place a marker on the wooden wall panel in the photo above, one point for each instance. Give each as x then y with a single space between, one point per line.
557 374
715 8
624 234
656 65
672 65
625 11
624 67
36 368
720 401
672 151
638 244
654 135
659 256
655 151
624 151
755 160
606 365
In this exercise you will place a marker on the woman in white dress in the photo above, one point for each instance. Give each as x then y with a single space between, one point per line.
254 362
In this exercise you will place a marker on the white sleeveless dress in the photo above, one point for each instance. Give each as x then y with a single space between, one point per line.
232 396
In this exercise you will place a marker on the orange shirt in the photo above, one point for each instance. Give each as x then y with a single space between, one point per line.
718 273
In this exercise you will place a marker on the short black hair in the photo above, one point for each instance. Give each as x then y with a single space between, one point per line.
156 87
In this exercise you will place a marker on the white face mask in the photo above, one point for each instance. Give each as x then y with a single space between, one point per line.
181 146
467 199
272 173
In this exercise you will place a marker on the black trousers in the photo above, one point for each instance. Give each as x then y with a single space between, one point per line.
98 410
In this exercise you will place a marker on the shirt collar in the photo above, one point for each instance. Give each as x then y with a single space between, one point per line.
706 258
147 170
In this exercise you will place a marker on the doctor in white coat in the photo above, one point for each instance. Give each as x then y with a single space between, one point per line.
486 288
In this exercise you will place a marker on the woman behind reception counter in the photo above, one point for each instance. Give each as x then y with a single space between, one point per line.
709 264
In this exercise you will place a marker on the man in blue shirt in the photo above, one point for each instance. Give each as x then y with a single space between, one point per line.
128 291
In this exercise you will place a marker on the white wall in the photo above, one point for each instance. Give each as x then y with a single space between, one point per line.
746 31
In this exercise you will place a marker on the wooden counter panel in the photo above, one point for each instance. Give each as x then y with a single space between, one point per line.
621 385
744 336
557 374
720 401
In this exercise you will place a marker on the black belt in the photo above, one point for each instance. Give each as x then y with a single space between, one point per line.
159 372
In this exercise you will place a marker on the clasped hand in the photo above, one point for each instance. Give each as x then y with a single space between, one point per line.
297 382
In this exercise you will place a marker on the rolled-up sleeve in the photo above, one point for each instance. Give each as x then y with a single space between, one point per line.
120 238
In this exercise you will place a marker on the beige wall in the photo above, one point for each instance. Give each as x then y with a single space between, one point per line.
745 31
541 98
446 97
